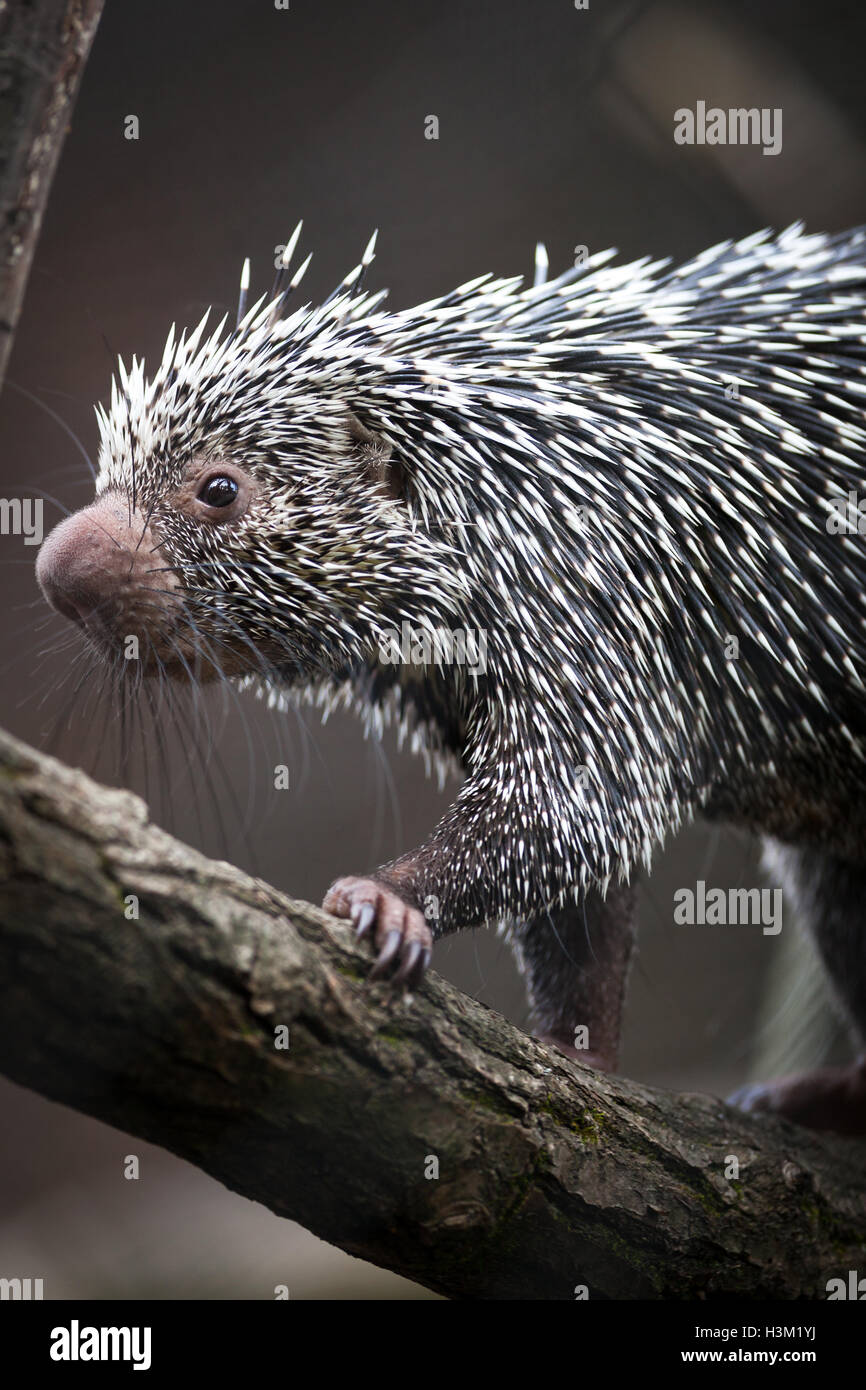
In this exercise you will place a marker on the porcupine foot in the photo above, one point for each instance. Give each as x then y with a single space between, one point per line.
833 1098
399 931
826 892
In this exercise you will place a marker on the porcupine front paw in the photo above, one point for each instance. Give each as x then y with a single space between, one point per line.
399 931
833 1098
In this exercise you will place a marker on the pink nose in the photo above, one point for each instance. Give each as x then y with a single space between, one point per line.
86 559
98 568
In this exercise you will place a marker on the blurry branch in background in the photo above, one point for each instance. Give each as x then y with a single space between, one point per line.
185 1003
43 48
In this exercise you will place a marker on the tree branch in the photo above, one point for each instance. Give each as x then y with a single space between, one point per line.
550 1176
43 48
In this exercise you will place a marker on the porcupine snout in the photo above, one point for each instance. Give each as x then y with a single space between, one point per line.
100 569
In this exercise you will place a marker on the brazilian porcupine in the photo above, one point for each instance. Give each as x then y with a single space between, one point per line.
606 477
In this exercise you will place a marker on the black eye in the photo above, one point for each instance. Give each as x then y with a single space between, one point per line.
219 491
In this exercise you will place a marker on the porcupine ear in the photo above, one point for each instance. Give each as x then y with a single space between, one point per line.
377 458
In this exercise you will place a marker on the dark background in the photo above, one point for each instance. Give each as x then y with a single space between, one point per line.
554 124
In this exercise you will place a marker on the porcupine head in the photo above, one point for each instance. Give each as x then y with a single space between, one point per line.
248 523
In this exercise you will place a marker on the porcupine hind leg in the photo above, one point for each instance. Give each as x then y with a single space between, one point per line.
828 896
575 962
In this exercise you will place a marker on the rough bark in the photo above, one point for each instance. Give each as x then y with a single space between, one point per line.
550 1176
43 48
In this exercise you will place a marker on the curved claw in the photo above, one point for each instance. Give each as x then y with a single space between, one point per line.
386 955
411 956
363 916
744 1097
426 957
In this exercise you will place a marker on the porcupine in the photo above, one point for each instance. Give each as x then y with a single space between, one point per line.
610 475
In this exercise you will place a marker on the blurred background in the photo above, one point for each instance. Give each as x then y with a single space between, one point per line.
554 123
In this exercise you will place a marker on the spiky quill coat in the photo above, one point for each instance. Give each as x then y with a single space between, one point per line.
612 475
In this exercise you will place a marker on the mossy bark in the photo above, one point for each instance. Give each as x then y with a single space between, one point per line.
549 1176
